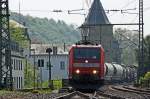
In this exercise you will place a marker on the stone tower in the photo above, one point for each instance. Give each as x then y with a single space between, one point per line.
99 29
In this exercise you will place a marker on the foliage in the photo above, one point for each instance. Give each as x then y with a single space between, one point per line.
146 67
147 51
17 35
145 81
29 75
47 30
147 76
128 43
56 83
4 92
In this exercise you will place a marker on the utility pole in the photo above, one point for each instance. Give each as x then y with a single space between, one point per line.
141 41
49 50
5 51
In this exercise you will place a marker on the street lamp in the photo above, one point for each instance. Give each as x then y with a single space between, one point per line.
49 50
34 65
85 32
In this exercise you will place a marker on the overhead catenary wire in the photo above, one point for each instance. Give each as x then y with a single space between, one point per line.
77 10
129 3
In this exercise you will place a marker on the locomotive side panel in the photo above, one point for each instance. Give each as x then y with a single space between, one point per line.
102 72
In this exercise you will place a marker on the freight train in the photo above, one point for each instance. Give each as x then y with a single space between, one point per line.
87 67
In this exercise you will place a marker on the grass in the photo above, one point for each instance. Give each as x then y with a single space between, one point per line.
15 93
45 91
22 93
4 92
56 83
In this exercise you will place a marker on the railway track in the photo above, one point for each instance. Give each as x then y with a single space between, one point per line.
139 94
137 89
105 92
75 95
109 92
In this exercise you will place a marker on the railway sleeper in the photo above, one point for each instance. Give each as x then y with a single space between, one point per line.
74 95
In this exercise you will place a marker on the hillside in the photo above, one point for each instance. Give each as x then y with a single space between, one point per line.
47 30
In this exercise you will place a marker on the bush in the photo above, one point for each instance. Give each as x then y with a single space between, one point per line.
35 91
145 81
147 76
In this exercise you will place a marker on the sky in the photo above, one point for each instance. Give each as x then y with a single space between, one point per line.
44 8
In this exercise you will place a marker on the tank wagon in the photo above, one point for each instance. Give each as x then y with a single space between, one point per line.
119 73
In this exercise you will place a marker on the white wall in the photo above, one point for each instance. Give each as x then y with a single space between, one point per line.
57 72
17 70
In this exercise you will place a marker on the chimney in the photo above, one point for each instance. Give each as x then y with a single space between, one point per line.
54 50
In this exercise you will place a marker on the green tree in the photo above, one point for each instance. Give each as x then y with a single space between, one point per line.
29 75
147 76
48 30
128 42
17 34
147 51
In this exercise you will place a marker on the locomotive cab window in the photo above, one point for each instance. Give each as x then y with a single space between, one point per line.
87 53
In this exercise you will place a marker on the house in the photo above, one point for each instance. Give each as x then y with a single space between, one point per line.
17 66
58 59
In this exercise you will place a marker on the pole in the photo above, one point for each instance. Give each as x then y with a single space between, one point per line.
50 85
26 66
141 39
49 50
41 76
34 68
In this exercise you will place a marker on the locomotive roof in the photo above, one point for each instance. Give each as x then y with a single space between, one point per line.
86 46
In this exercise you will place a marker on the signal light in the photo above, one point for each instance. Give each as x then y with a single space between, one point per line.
94 72
77 71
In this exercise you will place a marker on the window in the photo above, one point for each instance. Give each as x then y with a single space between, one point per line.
62 65
21 83
41 63
21 64
87 53
14 64
17 81
18 64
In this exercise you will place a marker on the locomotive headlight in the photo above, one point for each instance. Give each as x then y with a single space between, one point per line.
94 72
77 71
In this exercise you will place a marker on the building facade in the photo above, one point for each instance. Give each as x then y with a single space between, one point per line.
59 66
17 60
58 58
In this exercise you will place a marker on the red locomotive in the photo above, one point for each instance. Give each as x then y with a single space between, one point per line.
88 70
86 64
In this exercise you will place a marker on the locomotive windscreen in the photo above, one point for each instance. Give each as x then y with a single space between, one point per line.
87 53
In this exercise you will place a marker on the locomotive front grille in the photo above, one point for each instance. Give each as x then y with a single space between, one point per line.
86 64
85 77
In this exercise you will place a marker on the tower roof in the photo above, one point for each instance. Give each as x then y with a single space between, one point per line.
96 14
